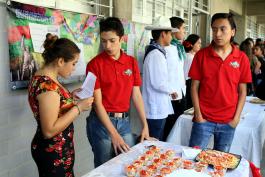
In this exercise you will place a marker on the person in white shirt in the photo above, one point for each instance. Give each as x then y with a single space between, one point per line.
156 91
192 45
176 57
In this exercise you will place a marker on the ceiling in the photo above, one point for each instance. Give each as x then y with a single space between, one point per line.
256 8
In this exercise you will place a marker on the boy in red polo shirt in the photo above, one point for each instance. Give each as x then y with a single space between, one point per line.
118 80
219 75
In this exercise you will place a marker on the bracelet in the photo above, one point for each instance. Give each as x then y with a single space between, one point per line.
77 109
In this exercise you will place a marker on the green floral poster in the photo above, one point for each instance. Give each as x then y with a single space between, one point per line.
25 59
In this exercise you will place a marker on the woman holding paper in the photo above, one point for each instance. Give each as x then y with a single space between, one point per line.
54 109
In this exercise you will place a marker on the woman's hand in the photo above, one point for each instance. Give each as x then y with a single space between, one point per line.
76 91
85 104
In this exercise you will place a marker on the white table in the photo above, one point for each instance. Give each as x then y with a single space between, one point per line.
249 135
115 167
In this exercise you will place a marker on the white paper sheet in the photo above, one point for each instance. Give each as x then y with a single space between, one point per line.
87 87
38 34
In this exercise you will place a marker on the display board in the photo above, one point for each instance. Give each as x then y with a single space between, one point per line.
28 26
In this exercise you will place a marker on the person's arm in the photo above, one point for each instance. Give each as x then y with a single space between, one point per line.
139 105
195 84
49 105
257 66
242 92
117 141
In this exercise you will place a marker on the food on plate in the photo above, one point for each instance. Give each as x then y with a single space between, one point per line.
200 166
165 171
157 162
138 164
144 173
170 154
143 159
163 157
149 154
257 101
170 165
151 169
218 158
177 161
130 170
220 170
155 149
187 164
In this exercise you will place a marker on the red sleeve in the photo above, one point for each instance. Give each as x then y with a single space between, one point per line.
245 76
137 77
195 70
92 67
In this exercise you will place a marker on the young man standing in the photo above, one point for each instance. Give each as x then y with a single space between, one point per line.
156 92
175 58
219 75
118 80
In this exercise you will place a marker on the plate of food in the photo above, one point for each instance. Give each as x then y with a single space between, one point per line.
257 101
189 111
218 158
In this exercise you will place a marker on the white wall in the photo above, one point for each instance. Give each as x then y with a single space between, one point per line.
17 125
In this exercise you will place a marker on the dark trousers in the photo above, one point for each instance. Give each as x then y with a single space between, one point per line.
156 128
188 94
179 107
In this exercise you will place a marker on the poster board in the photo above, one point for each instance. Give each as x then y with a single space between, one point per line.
28 26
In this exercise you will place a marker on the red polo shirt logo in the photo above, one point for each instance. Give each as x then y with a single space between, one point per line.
128 72
234 64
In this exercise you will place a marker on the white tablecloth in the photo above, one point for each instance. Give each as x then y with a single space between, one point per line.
115 167
249 135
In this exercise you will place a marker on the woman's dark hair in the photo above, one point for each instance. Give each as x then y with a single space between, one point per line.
227 16
111 24
156 34
55 48
190 41
245 46
176 22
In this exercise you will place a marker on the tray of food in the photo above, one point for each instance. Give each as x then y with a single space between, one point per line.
257 101
218 158
189 111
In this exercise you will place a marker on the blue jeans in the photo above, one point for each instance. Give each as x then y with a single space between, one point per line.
156 128
202 132
100 140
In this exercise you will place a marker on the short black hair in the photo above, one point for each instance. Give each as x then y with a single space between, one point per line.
176 22
229 17
156 33
111 24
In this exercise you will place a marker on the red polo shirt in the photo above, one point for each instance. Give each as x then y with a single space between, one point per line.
219 81
116 79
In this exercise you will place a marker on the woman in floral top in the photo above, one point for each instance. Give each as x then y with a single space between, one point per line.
54 109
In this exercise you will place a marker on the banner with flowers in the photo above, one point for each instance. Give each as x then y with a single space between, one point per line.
25 58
